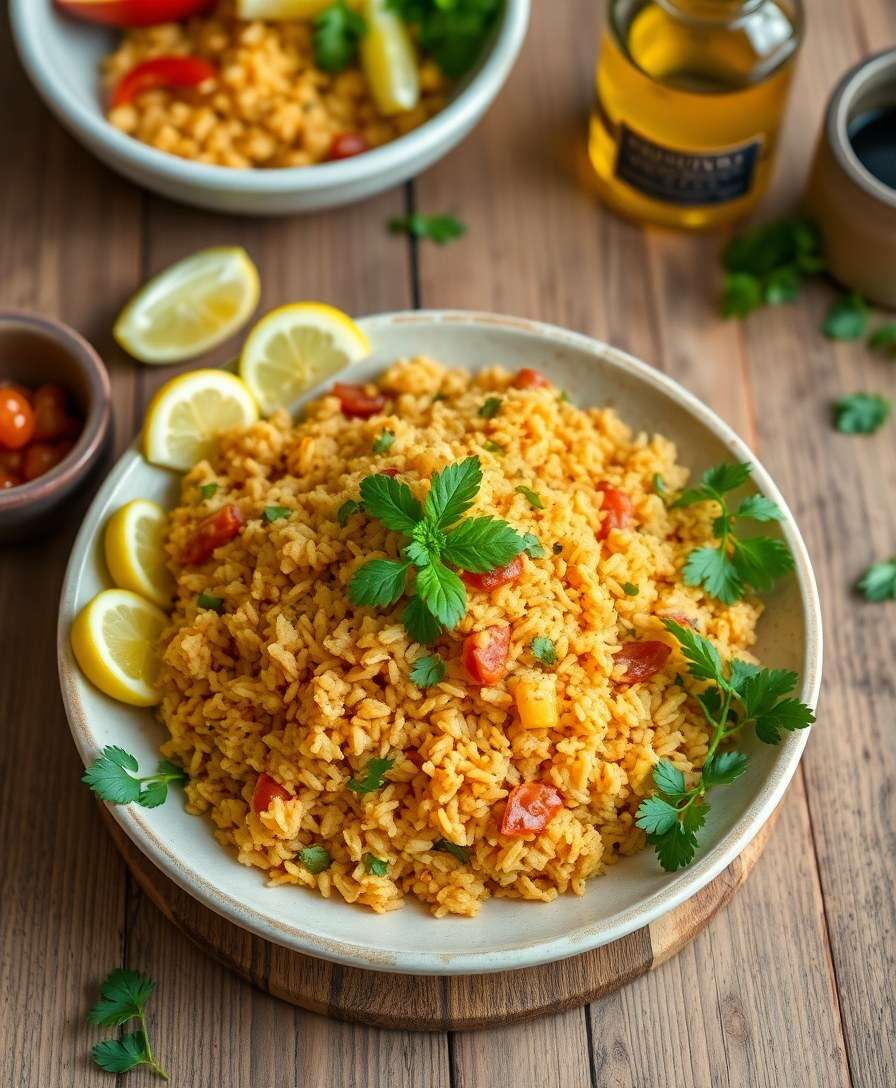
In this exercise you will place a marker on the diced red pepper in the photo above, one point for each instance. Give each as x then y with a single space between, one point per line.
134 12
642 659
530 379
346 145
212 532
356 402
266 789
492 579
485 653
530 808
619 513
161 72
388 472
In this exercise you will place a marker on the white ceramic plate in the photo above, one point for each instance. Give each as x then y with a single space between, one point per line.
507 933
61 56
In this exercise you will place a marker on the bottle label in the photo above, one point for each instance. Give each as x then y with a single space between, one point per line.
682 177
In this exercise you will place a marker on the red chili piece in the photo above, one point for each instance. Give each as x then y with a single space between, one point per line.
161 72
484 655
642 659
388 472
356 402
530 808
530 379
346 145
266 789
618 511
212 532
491 579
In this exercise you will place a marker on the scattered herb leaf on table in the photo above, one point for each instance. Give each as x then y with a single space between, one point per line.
123 997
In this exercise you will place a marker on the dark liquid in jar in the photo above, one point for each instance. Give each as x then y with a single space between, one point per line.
873 138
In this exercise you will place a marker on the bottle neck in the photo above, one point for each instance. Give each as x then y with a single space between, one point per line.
721 12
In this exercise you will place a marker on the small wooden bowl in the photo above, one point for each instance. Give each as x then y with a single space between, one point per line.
34 350
855 211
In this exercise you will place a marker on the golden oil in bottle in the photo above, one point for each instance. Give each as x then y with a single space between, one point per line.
690 95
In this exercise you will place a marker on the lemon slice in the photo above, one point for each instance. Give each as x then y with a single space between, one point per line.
135 551
389 59
294 348
190 307
281 9
115 641
188 413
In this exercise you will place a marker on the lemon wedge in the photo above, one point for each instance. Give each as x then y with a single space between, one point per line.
135 551
115 641
389 59
295 347
187 414
190 307
281 9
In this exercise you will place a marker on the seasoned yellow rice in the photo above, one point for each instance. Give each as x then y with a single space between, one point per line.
293 681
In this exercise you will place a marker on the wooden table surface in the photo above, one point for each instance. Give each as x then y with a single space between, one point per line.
791 986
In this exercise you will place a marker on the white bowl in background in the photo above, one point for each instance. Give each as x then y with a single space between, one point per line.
507 933
61 56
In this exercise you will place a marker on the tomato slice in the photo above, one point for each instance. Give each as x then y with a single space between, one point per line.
484 655
619 513
356 402
266 789
491 579
211 533
16 419
134 12
530 808
642 659
161 72
530 379
346 145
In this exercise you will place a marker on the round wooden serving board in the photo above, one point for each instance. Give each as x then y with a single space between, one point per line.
432 1003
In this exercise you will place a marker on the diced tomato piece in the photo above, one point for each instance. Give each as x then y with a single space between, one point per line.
388 472
51 417
161 72
7 479
356 402
211 533
11 462
619 513
491 579
682 620
22 390
346 145
530 808
530 379
16 419
266 789
642 659
41 457
134 12
484 655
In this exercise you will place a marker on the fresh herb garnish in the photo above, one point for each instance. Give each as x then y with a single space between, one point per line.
493 447
533 497
452 32
884 339
630 590
208 490
375 866
349 507
111 780
315 858
878 583
675 813
434 536
490 407
847 318
427 671
275 513
564 397
861 413
533 546
210 601
768 265
337 31
736 564
440 229
544 651
373 777
659 485
446 847
383 442
123 997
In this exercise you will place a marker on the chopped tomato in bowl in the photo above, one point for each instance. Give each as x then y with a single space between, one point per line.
485 654
127 13
530 808
178 72
642 660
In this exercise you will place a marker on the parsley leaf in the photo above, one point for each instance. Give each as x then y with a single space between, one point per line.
123 997
443 593
383 442
337 31
493 447
724 767
759 508
375 866
533 497
372 778
630 590
675 847
420 623
110 778
440 229
122 1055
715 572
380 582
208 490
316 859
767 265
452 32
544 651
669 780
847 318
861 413
390 501
659 485
656 816
427 671
276 513
349 507
210 601
878 583
482 544
453 491
703 658
533 546
446 847
884 339
741 295
490 407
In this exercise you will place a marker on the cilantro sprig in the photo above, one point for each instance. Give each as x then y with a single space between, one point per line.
112 777
440 229
123 997
373 777
727 570
767 265
878 583
337 31
738 695
452 32
436 538
861 413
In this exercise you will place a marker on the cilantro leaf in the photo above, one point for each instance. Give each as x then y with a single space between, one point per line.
878 583
446 847
490 407
782 285
109 779
629 589
208 490
656 816
738 672
420 623
210 601
788 715
380 582
703 658
122 1055
493 447
760 561
316 858
337 32
741 294
482 544
847 318
122 997
768 264
453 491
669 780
391 502
443 593
544 651
533 546
712 569
727 476
724 767
375 866
861 413
533 497
440 229
275 513
659 485
349 507
372 777
761 689
675 848
427 671
884 339
452 32
759 508
383 442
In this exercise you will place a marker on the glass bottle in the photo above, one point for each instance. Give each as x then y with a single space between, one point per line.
690 95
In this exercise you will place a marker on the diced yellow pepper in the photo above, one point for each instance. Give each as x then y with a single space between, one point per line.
536 702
